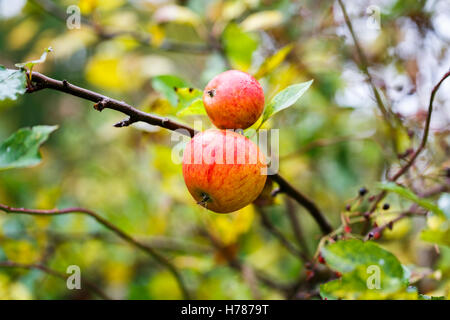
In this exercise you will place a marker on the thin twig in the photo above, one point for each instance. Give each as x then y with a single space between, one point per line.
376 232
423 142
425 131
296 227
234 263
88 284
277 234
364 64
146 248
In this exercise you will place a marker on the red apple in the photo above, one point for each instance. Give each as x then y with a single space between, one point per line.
233 100
223 170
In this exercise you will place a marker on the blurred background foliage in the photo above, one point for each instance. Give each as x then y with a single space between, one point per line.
332 142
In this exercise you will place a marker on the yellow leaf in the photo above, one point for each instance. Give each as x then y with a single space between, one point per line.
19 291
13 290
157 34
399 228
117 273
22 34
262 20
228 227
163 286
88 6
21 251
176 14
114 72
232 10
274 61
70 42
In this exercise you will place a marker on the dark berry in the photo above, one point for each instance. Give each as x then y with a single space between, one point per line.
362 191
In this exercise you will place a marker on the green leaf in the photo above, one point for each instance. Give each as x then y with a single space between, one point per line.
21 149
357 261
437 236
425 297
274 61
408 194
353 286
285 98
239 46
166 84
31 64
187 96
196 108
346 256
12 83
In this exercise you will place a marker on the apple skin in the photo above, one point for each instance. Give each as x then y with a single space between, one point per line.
219 179
233 100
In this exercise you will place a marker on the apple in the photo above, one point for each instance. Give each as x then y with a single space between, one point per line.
233 100
223 170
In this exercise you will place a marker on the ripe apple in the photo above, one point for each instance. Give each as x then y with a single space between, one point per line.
223 170
233 100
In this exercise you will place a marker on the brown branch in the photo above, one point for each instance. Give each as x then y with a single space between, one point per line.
88 284
295 224
146 248
40 81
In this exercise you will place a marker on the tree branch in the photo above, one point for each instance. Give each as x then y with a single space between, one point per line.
309 205
89 285
40 81
147 249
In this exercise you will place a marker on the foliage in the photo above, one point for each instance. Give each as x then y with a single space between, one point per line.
22 148
12 83
354 258
335 146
